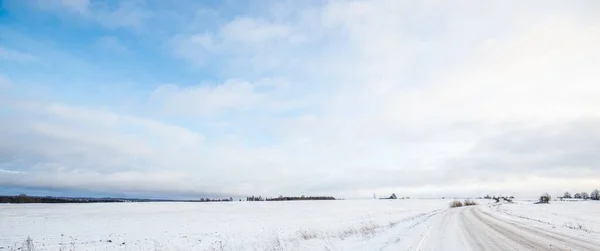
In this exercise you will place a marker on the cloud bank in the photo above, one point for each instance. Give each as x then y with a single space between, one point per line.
342 98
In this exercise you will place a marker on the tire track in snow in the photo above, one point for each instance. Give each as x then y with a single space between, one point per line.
480 236
504 237
414 221
470 228
428 232
490 232
566 241
512 214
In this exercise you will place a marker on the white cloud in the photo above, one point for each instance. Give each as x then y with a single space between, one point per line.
547 72
66 147
242 36
51 145
231 96
249 30
7 171
195 48
406 93
128 14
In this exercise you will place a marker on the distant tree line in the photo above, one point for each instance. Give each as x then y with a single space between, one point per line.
497 199
282 198
594 195
23 198
213 200
255 198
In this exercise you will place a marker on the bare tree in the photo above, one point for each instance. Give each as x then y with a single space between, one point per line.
577 196
567 195
584 195
595 195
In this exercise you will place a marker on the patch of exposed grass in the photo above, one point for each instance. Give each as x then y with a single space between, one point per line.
469 203
576 226
456 203
367 230
307 234
27 245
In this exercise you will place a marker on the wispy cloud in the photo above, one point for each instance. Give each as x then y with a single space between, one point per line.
16 56
75 6
243 36
123 14
4 82
215 99
8 171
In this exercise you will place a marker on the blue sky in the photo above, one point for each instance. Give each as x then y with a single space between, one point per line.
345 98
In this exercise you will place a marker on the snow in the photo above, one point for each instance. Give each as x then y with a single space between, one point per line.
426 224
558 215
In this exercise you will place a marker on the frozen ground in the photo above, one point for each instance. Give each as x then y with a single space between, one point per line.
302 225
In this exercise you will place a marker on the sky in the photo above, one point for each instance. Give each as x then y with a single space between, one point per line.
190 99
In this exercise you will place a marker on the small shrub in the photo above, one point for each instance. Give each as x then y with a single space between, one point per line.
470 203
276 245
218 246
28 244
576 226
456 203
347 233
367 230
545 198
307 235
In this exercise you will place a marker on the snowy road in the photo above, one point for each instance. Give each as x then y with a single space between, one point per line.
479 228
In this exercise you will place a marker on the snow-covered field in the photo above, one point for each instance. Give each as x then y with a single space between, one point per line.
558 215
292 225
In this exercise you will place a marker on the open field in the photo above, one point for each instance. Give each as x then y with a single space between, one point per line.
302 225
